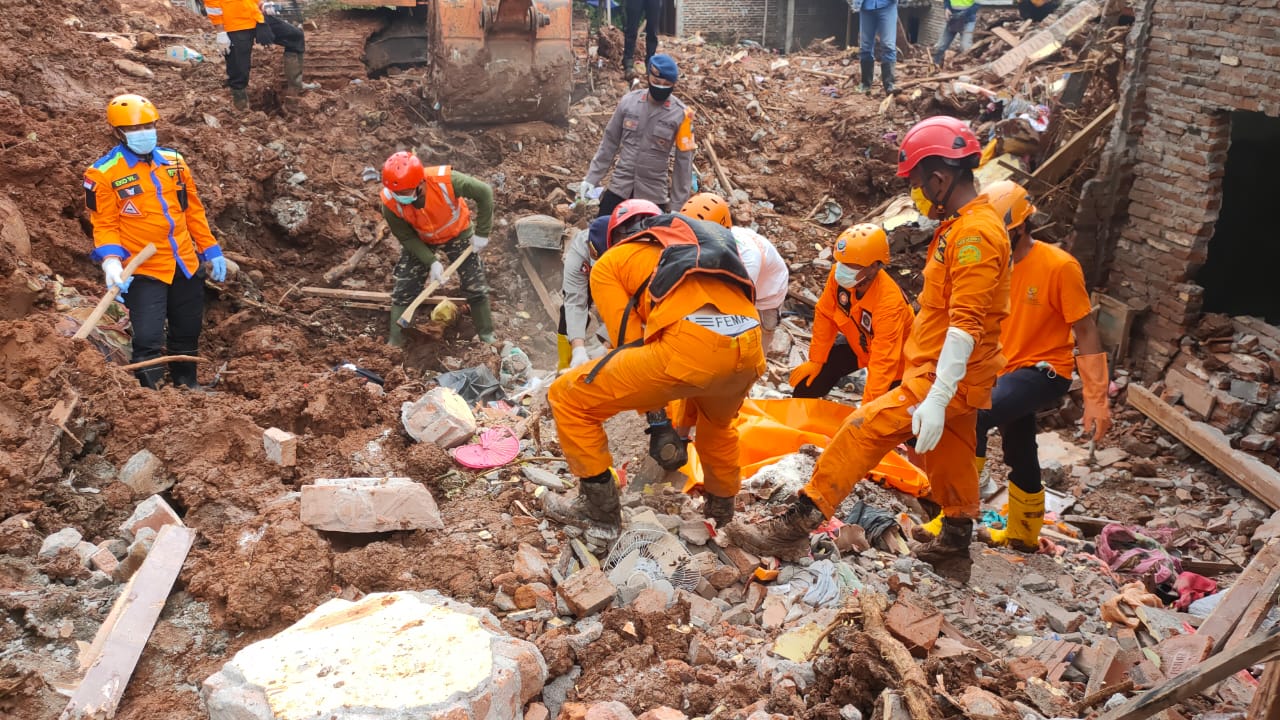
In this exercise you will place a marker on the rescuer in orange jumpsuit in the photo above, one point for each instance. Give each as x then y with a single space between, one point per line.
679 332
953 355
868 308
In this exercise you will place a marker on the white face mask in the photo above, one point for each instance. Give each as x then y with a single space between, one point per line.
846 277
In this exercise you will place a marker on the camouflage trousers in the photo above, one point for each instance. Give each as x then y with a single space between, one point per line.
411 275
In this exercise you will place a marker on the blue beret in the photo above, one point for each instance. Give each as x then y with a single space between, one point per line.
598 234
664 66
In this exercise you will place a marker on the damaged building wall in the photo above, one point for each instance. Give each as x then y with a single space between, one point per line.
765 21
1191 65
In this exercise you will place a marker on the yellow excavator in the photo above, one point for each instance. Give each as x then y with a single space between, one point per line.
495 61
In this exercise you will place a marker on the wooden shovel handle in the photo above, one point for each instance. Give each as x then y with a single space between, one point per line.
407 318
92 321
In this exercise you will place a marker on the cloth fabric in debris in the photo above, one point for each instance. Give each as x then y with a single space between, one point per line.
832 582
772 429
1190 588
1131 550
1121 608
474 384
873 520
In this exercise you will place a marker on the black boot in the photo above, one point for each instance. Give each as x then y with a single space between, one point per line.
886 77
665 444
868 73
293 73
596 508
784 536
150 377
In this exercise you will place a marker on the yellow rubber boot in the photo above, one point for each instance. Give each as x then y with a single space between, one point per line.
1026 517
927 531
979 464
564 351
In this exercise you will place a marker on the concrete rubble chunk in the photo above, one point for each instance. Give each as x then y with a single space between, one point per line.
366 505
540 231
440 416
612 710
281 447
64 538
916 628
144 473
530 565
136 553
386 657
537 711
587 592
153 513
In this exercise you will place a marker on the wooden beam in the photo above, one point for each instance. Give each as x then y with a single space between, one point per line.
364 296
161 361
1006 36
1209 443
333 274
1264 599
553 310
1208 673
140 604
719 170
1048 41
1227 614
1266 701
1052 169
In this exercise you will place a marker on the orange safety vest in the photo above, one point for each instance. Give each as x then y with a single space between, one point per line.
443 216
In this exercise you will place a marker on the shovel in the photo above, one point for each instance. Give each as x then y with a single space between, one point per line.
92 321
407 318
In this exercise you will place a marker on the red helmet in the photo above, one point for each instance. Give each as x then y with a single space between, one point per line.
629 210
402 171
942 136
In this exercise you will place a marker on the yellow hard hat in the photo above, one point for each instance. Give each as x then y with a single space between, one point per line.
709 207
1011 201
862 245
126 110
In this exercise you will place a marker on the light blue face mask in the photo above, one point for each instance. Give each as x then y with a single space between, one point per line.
405 199
846 277
141 142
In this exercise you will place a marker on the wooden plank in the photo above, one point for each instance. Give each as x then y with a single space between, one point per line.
1107 649
1250 473
365 296
1052 169
105 681
1048 41
1115 323
1210 672
1266 702
1227 614
1263 601
1006 36
719 170
1209 568
552 308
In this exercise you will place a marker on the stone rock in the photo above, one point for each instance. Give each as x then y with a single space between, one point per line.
723 576
663 713
440 416
367 505
587 591
64 538
739 615
281 447
694 531
540 231
145 474
612 710
387 656
84 551
1035 582
701 651
535 595
1257 442
130 67
546 479
530 565
290 214
649 601
153 513
13 231
536 711
134 556
702 611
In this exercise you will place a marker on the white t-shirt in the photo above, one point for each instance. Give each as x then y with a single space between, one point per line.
765 266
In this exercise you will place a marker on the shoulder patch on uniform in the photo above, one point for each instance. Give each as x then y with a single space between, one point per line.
125 180
90 185
865 320
939 255
968 255
128 192
130 209
970 240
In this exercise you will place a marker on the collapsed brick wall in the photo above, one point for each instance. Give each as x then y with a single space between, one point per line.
765 21
1205 58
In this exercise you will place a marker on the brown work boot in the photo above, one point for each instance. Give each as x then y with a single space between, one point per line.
596 509
952 542
240 98
293 73
784 536
719 509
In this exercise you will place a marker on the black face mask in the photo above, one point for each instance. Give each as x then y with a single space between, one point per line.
660 94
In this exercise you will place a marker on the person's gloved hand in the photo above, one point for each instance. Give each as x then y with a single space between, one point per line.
578 356
1094 377
262 33
805 374
584 189
224 41
218 269
436 274
479 242
114 274
931 414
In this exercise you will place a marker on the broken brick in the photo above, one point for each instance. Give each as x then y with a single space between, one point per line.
649 601
755 596
775 612
534 595
612 710
536 711
145 474
587 592
1182 652
702 611
103 560
701 651
281 447
153 513
664 712
530 565
368 505
723 576
916 628
745 562
1025 668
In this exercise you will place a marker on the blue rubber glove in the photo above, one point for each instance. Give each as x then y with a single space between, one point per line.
219 269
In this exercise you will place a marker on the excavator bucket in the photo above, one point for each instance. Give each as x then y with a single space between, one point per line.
500 62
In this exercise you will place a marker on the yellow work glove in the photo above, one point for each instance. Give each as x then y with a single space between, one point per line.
1093 374
805 374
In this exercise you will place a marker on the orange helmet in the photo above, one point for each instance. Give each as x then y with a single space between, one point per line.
126 110
862 245
402 171
709 207
1011 200
627 211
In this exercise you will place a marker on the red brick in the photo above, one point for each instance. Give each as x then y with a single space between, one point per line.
587 592
281 447
663 713
530 565
916 628
103 560
366 505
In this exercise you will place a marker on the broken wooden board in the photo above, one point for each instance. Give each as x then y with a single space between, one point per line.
364 296
552 308
1252 619
1056 166
1209 442
1048 41
1208 673
1009 38
1229 611
1103 673
105 680
1266 702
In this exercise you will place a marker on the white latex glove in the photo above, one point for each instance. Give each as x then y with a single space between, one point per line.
436 274
224 42
584 189
479 242
114 274
931 413
578 356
